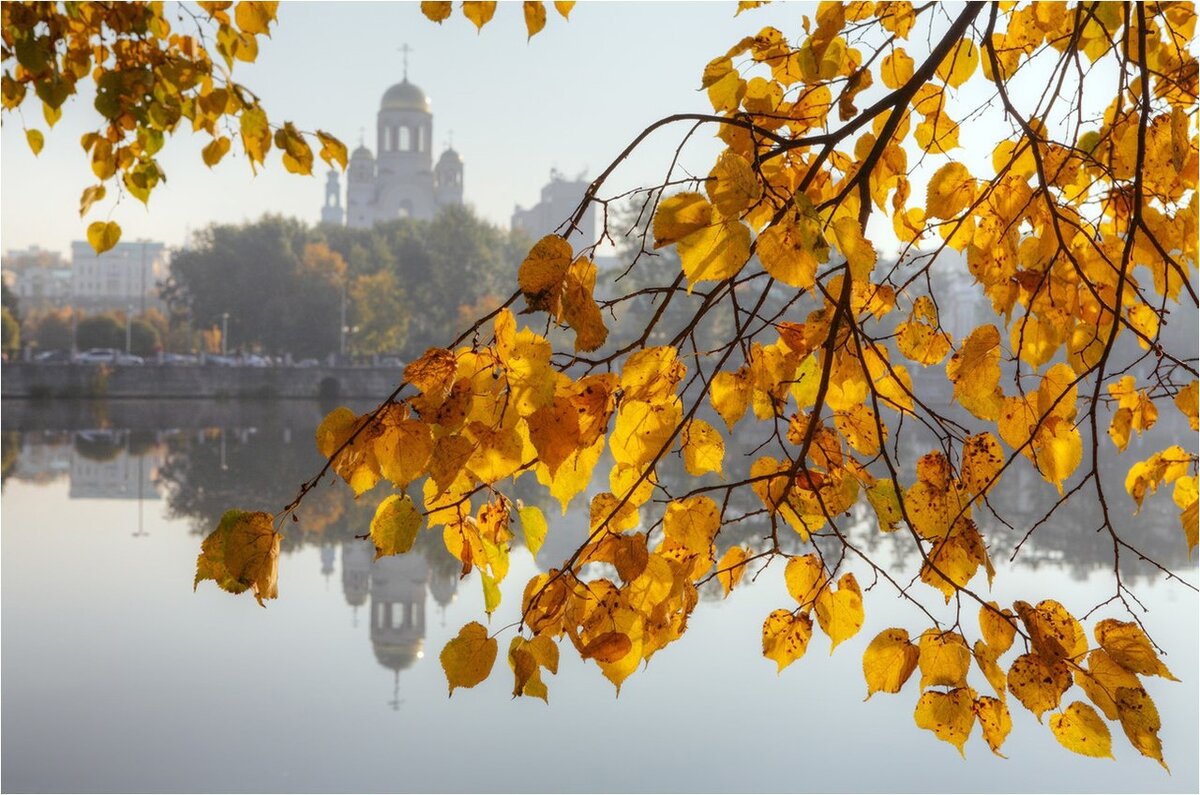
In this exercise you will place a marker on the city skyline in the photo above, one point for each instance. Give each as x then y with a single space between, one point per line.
516 110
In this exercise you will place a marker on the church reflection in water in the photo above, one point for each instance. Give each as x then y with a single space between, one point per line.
393 591
199 460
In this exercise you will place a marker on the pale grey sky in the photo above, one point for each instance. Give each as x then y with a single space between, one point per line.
571 98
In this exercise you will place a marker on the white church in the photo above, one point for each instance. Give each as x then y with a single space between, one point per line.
401 180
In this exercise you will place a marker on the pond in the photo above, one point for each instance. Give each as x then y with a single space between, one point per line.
117 677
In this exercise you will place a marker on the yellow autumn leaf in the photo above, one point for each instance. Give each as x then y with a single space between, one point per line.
1185 495
714 253
395 525
1101 679
36 141
242 554
90 196
703 448
994 720
1053 632
885 499
921 342
959 64
534 527
332 150
859 426
975 372
1128 646
982 459
216 149
944 659
1187 400
951 190
732 186
468 658
679 216
985 660
858 251
805 578
103 235
998 627
535 16
527 658
403 450
1057 450
729 393
950 716
731 567
840 612
542 271
643 430
1038 683
254 18
1081 730
889 661
478 12
896 68
563 7
436 11
785 637
692 522
955 558
1139 718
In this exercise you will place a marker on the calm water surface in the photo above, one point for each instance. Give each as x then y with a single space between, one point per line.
118 678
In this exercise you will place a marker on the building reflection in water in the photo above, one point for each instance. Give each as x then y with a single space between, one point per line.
394 590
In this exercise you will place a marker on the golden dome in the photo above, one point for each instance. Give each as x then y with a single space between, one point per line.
405 96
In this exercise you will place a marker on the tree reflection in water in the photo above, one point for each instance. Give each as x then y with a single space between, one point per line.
204 457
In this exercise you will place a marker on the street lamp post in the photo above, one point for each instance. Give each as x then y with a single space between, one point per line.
129 328
224 333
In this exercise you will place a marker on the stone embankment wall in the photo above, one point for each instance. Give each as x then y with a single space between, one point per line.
49 381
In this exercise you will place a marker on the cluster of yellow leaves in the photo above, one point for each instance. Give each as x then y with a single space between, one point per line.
1058 658
1057 236
481 13
150 81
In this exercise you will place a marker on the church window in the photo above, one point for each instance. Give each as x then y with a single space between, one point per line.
405 139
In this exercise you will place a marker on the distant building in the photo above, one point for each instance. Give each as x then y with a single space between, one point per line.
125 275
38 278
400 179
124 476
560 199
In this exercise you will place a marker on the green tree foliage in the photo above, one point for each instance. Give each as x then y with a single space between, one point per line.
144 338
282 293
154 73
10 302
381 314
12 331
282 282
51 329
100 331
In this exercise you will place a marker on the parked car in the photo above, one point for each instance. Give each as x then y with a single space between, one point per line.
220 361
108 356
308 363
53 357
180 359
254 360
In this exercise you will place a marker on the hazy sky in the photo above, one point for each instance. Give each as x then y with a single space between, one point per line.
571 98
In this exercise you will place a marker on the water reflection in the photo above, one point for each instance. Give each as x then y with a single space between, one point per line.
375 627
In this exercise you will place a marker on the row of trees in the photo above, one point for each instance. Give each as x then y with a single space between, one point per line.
310 291
64 328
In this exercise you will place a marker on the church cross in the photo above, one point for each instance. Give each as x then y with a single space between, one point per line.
406 50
